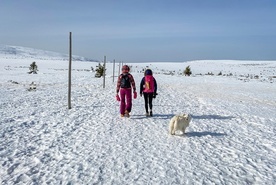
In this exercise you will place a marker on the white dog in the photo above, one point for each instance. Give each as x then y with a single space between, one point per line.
179 122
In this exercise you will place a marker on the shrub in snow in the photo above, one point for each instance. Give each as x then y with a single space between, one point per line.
14 82
99 70
210 73
33 68
32 87
187 71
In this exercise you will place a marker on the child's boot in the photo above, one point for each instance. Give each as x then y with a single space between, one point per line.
126 114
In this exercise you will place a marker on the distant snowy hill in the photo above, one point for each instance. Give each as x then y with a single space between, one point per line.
24 52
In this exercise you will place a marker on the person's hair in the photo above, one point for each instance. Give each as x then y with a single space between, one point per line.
148 72
125 68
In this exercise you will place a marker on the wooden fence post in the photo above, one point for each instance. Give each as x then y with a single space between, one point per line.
104 72
119 69
113 69
69 71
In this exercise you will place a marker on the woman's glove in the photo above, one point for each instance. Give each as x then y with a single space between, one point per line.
154 95
135 95
118 98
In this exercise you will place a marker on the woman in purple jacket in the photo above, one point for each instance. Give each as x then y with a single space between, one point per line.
148 88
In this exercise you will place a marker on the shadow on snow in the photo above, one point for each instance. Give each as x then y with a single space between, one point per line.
212 117
155 116
201 134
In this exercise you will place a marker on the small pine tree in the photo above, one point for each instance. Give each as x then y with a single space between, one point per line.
99 70
33 68
187 71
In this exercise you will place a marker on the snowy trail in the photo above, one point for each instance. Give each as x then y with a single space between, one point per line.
230 139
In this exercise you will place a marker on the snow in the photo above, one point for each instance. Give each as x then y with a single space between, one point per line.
231 139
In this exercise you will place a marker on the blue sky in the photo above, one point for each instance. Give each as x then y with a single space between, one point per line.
144 30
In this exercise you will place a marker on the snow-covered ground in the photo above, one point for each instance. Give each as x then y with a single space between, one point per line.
231 139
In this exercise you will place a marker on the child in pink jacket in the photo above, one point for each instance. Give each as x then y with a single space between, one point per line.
125 84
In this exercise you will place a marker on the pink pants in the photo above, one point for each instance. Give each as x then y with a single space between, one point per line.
126 100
